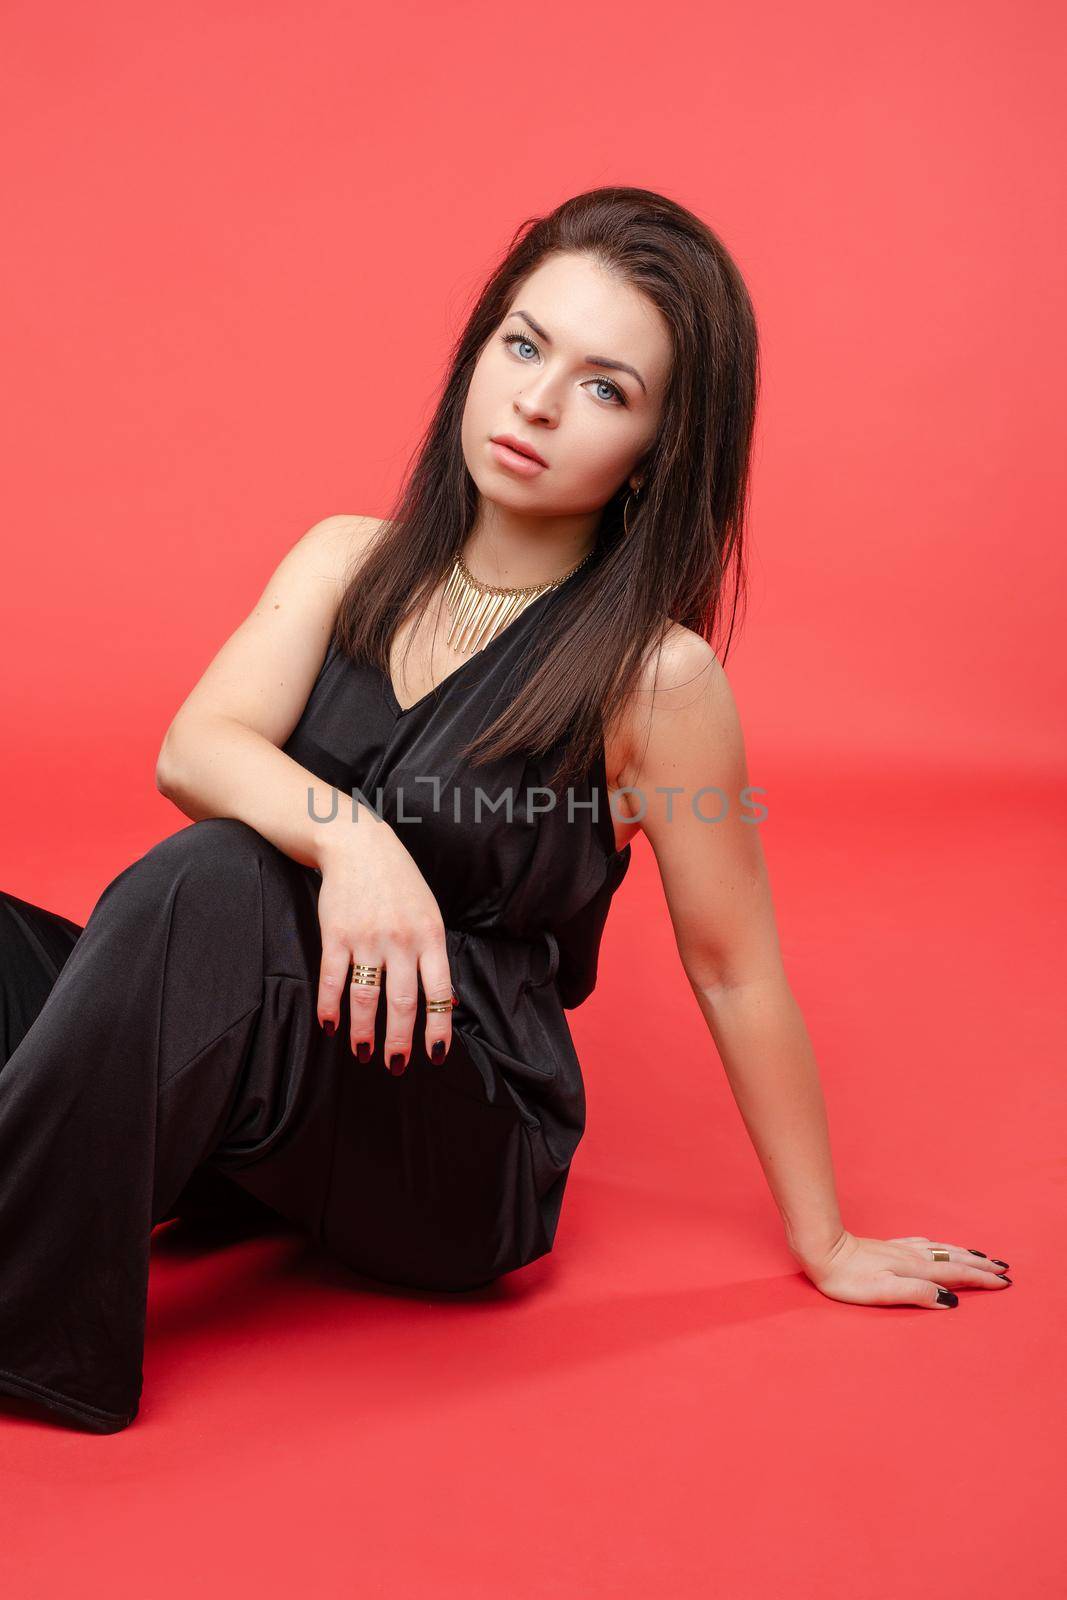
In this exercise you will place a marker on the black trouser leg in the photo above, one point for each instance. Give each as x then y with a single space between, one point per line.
141 1056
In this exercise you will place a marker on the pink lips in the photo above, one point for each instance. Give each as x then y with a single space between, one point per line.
510 452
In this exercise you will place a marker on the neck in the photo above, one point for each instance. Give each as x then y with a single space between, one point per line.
512 551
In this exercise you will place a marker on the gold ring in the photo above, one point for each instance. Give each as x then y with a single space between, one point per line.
366 975
435 1006
939 1255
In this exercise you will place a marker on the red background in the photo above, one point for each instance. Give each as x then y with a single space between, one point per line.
239 241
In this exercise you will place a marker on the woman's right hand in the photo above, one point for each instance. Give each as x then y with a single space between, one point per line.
375 906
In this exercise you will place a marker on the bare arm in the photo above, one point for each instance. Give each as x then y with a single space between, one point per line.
715 879
687 733
220 756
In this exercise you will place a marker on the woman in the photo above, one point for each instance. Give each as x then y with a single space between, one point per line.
399 767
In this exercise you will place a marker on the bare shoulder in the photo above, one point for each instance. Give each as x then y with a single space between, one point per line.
684 660
682 692
263 673
337 545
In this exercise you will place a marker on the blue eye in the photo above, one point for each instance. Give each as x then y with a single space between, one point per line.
510 339
518 338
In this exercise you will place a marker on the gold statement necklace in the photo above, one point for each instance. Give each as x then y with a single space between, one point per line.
480 610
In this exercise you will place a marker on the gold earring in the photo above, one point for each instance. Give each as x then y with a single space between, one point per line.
635 494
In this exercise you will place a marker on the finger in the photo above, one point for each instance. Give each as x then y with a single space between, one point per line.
894 1290
364 993
401 1000
964 1251
333 971
437 986
974 1258
960 1276
968 1268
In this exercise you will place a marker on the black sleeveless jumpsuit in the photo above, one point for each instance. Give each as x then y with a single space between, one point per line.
167 1059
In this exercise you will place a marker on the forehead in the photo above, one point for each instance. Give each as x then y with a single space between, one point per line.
579 302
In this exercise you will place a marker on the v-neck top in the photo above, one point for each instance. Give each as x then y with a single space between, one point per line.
478 656
524 885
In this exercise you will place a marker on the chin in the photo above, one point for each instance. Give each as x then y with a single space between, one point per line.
511 496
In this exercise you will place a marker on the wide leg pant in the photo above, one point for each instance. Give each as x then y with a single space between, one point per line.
170 1051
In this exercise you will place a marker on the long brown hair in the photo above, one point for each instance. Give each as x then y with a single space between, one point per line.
685 544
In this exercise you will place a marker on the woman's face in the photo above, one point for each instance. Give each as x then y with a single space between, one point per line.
556 375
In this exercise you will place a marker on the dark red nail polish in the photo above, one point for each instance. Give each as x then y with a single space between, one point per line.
437 1053
363 1051
997 1263
978 1253
396 1065
945 1297
329 1027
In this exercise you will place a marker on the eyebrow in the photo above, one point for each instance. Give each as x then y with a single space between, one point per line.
594 361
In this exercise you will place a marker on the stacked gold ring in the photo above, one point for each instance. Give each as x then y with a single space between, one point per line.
364 973
433 1006
368 976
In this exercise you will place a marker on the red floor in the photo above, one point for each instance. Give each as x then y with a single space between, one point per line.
664 1406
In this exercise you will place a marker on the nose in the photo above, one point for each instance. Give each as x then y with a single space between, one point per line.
536 402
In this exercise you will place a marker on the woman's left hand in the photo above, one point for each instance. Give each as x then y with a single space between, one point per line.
894 1272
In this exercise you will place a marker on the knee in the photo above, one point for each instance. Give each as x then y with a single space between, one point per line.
222 853
220 885
212 863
